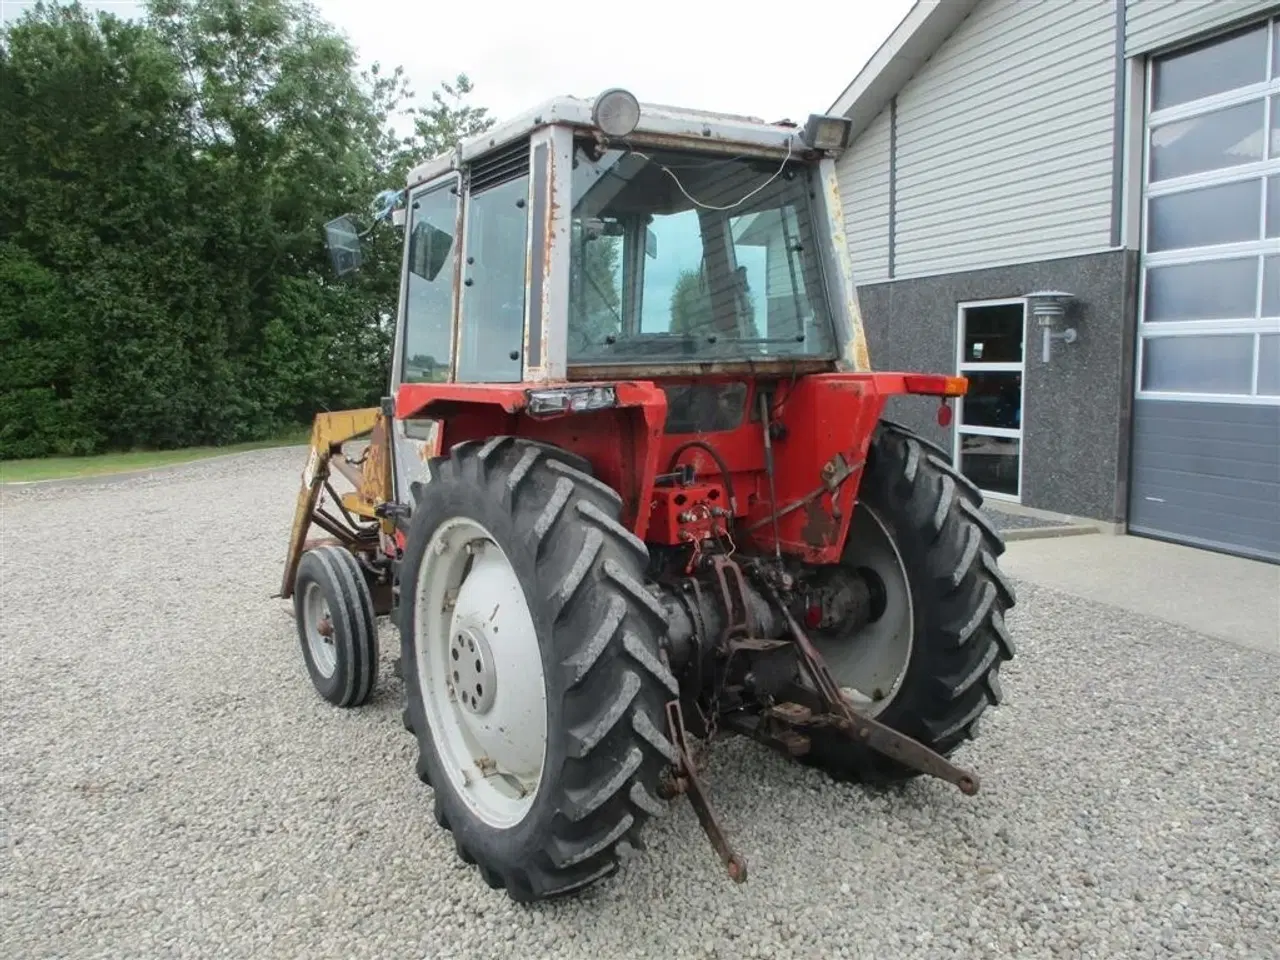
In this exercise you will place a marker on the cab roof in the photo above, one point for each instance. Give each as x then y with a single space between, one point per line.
655 120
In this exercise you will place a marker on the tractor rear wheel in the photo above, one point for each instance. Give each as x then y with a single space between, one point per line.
337 629
927 664
530 653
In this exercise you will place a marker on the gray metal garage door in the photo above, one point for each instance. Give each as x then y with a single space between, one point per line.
1206 426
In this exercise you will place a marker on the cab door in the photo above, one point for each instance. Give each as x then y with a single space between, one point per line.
492 322
423 350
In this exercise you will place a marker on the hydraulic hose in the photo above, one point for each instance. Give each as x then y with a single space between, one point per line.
720 464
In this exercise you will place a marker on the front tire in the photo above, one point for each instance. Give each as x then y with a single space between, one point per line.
337 630
548 753
930 661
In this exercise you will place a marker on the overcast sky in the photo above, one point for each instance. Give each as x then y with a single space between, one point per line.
782 61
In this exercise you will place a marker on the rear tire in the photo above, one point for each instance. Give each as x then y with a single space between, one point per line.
333 610
594 632
958 599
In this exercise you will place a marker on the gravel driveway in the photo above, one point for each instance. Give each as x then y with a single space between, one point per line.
171 786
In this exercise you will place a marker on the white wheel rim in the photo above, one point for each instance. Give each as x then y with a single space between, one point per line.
489 725
318 624
870 664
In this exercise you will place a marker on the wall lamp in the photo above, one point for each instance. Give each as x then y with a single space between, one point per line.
1049 307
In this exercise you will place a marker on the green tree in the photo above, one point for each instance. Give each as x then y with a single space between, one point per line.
690 303
288 134
436 129
450 118
596 280
163 183
95 179
692 312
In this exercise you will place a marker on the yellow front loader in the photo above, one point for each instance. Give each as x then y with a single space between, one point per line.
359 525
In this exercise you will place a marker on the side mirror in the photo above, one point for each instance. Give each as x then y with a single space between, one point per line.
650 243
342 240
342 236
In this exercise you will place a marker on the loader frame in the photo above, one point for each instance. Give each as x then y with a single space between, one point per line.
361 524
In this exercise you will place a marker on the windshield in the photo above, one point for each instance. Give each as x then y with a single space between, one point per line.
686 256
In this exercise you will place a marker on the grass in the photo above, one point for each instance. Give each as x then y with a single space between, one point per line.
58 468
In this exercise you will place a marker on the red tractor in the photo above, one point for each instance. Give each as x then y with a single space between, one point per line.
633 486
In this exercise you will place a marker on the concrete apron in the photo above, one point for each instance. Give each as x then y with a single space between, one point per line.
1215 594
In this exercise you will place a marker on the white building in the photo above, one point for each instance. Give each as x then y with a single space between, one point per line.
1126 152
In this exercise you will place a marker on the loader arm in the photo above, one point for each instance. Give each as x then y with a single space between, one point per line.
358 525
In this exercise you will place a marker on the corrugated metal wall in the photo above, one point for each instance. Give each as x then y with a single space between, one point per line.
864 186
1153 23
1005 146
1005 139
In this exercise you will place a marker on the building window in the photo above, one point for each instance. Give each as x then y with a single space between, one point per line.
991 346
1210 292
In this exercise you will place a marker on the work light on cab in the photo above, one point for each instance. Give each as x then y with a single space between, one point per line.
616 112
827 133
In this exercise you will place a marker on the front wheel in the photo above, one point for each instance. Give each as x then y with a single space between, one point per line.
530 653
337 630
927 664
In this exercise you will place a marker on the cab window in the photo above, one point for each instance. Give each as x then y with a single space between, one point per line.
429 283
493 297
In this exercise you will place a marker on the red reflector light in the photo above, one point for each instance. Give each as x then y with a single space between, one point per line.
813 617
935 384
944 414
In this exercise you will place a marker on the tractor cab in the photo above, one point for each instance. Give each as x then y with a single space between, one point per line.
588 239
604 240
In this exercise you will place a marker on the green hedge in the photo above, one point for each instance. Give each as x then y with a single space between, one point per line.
163 184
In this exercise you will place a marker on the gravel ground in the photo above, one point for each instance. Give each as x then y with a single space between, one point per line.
172 787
